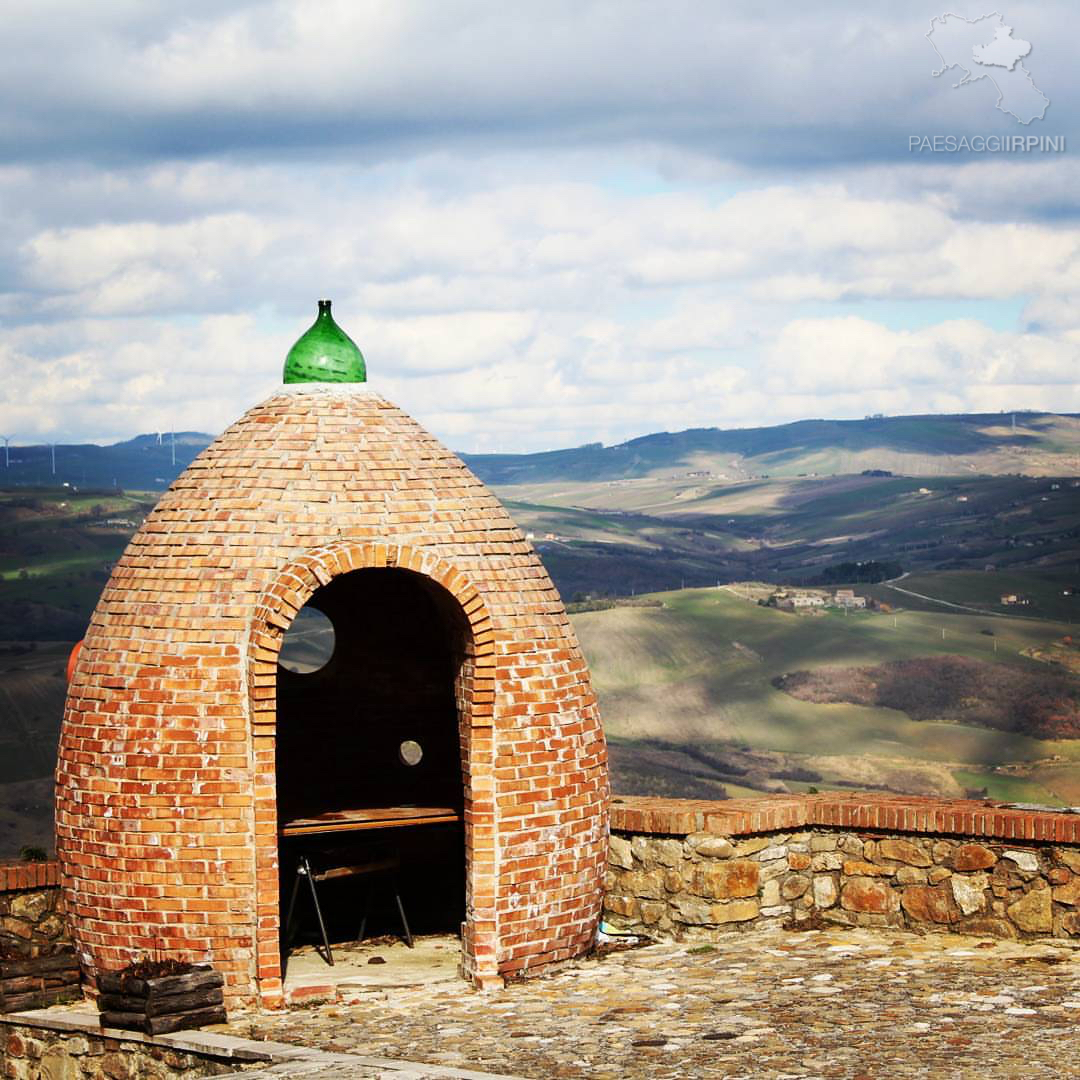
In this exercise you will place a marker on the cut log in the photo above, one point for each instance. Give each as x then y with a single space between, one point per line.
23 984
21 1002
32 965
163 1005
129 1021
204 978
61 978
162 1025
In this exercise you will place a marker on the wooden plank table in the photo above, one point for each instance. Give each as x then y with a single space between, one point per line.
371 817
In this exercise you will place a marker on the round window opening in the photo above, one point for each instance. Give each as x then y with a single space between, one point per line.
308 643
410 752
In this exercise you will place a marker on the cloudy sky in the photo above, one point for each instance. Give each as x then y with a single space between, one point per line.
544 223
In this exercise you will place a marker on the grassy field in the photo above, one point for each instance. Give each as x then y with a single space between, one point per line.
56 550
685 688
1008 788
1049 592
32 689
699 672
648 533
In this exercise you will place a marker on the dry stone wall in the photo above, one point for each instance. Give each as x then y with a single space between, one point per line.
31 910
30 1053
699 883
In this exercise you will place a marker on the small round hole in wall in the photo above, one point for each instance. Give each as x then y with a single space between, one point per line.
410 752
308 643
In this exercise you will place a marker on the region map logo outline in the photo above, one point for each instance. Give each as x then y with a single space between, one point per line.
971 75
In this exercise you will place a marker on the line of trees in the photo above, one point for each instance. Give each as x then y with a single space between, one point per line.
860 573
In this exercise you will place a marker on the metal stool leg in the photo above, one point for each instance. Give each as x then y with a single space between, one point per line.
401 912
306 866
366 909
290 926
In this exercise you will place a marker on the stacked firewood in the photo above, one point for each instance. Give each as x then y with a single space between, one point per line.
159 1004
34 982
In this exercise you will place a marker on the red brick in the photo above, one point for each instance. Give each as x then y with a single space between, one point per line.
233 549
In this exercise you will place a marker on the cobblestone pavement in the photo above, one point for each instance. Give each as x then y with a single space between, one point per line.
854 1004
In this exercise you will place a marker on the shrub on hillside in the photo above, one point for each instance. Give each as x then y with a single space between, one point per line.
951 689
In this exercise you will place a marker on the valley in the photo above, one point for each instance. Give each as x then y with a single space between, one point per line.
961 533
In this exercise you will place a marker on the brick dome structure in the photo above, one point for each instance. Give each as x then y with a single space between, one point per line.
182 733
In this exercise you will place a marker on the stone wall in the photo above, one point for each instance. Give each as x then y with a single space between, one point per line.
693 870
31 909
30 1053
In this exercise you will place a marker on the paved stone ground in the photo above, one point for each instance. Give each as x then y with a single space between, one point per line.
855 1004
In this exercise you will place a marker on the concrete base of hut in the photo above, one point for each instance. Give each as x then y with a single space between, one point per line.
364 971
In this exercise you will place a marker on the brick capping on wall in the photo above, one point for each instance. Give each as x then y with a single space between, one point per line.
32 919
857 810
16 876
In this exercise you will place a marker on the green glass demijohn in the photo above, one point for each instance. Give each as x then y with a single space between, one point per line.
325 354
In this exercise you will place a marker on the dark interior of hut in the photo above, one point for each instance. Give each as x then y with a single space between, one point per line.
368 741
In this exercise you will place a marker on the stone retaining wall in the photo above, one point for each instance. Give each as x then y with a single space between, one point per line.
691 870
31 911
30 1053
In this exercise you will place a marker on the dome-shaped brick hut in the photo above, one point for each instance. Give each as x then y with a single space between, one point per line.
186 744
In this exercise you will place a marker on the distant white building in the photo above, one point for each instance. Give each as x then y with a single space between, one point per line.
1009 599
847 598
807 600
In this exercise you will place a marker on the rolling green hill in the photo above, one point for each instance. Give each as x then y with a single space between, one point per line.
981 511
1041 444
696 677
143 462
56 551
645 535
690 707
32 689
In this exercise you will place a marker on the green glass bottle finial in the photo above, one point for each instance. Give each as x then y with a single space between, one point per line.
325 353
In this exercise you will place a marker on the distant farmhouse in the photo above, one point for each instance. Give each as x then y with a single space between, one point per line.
789 601
804 601
846 598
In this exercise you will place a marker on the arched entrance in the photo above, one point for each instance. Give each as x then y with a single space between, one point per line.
368 724
410 669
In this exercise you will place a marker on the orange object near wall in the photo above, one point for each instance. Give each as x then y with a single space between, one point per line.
73 659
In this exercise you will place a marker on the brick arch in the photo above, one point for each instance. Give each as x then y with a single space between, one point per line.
292 587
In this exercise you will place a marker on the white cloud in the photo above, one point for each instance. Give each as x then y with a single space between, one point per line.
542 227
961 359
496 310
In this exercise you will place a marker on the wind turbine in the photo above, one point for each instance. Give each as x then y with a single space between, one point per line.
7 450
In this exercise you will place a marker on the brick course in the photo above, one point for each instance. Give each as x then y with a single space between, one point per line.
28 875
166 799
855 810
